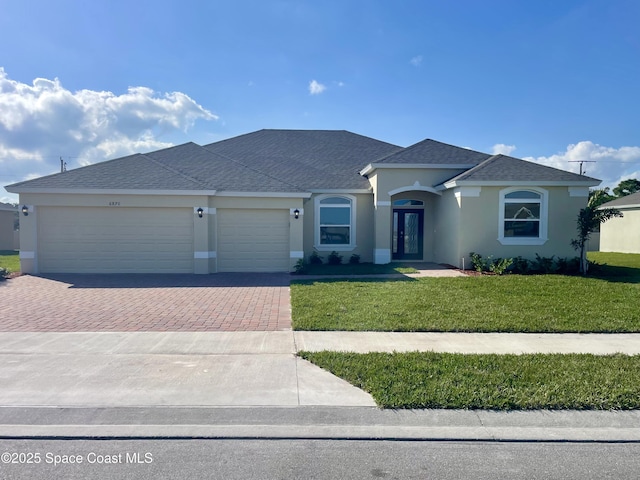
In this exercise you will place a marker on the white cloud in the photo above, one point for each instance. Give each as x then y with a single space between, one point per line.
611 164
501 148
416 61
316 88
43 121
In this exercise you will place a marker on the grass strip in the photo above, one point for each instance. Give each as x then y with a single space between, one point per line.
490 382
511 303
10 260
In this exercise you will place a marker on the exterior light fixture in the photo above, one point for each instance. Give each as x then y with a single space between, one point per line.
200 211
296 214
25 210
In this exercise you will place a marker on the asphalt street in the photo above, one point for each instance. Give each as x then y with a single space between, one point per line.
315 459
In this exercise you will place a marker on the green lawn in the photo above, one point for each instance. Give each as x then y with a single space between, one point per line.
608 302
497 382
9 259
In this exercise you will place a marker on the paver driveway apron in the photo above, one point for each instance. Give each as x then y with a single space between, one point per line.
152 303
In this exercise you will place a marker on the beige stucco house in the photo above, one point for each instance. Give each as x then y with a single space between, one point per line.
622 234
262 201
7 220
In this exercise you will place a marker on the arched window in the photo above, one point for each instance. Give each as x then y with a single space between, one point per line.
408 203
335 221
523 216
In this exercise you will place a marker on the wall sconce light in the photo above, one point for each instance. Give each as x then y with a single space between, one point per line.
25 210
200 211
296 214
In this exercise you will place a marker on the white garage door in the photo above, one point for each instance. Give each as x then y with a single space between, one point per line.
253 240
115 240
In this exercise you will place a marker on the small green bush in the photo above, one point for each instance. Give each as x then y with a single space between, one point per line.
301 267
354 259
334 258
4 273
520 266
315 259
499 265
477 262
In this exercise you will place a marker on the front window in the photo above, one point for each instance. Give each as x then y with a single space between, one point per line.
523 217
334 225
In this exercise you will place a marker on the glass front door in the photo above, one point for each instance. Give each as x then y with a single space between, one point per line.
407 240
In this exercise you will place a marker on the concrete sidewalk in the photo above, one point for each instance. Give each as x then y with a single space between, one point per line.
251 384
501 343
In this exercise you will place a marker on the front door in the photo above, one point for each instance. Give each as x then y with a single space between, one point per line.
408 228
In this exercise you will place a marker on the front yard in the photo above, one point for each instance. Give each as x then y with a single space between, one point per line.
608 300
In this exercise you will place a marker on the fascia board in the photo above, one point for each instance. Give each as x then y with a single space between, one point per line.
265 194
425 166
527 183
341 190
112 191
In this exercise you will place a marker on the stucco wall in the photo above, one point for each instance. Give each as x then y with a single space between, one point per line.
447 229
480 224
389 180
6 229
621 234
364 229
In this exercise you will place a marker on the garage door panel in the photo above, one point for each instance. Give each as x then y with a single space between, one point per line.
121 240
253 240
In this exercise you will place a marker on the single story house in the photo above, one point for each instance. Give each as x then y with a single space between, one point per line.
622 234
264 200
7 221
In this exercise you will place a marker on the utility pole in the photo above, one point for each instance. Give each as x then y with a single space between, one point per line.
581 162
63 165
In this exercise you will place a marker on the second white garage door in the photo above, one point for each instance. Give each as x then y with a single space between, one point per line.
253 240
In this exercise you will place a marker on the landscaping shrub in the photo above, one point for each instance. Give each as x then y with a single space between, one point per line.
315 259
301 267
334 258
4 273
354 259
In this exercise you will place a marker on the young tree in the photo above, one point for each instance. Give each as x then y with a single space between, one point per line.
589 220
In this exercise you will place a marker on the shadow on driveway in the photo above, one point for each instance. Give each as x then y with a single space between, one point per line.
170 280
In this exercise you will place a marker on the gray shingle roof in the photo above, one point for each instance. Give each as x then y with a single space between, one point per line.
431 151
633 199
284 161
502 168
310 159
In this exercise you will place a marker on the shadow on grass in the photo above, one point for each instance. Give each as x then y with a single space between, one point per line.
615 273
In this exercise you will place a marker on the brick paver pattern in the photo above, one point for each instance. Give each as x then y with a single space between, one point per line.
151 303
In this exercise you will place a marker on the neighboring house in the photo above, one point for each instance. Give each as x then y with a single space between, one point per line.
264 200
7 220
622 234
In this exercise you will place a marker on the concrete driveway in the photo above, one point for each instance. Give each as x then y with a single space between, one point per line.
145 303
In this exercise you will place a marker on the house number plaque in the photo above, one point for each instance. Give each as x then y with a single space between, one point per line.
114 204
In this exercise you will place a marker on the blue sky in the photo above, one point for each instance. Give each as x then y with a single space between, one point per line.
549 81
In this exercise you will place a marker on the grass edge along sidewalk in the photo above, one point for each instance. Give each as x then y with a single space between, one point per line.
490 382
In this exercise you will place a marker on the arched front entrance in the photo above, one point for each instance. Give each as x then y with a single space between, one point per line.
407 240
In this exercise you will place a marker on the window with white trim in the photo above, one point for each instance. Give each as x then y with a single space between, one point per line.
523 216
335 221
